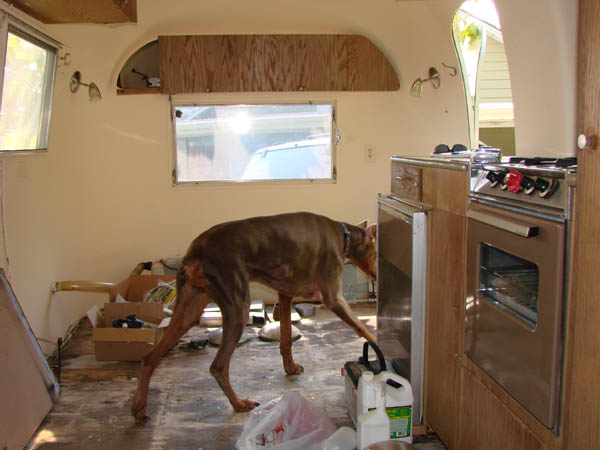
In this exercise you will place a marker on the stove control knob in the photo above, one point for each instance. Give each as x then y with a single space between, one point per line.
541 184
528 185
494 178
546 188
505 178
585 142
514 181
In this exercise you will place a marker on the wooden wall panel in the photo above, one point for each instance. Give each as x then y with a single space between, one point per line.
582 392
262 63
445 322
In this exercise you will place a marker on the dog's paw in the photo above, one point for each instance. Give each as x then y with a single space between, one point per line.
244 405
138 410
295 369
142 420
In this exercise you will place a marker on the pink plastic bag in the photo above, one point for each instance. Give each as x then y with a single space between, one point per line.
289 422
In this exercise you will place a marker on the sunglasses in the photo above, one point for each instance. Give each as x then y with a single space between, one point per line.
443 148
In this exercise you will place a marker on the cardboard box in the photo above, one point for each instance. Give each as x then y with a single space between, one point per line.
129 344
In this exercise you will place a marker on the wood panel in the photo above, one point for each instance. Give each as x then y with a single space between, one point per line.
582 393
445 315
79 11
25 386
486 424
513 407
368 68
321 62
446 189
236 63
274 65
190 63
262 63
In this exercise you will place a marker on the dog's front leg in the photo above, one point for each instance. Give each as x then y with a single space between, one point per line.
285 336
336 303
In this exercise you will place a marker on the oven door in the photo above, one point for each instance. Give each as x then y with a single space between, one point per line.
514 304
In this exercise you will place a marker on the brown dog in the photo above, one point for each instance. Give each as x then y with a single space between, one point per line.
297 254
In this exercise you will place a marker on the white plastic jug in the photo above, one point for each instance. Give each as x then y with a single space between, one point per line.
373 426
365 394
398 402
343 439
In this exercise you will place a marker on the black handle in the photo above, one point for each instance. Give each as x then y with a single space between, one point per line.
364 359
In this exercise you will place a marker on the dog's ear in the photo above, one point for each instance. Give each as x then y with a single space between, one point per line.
372 232
363 224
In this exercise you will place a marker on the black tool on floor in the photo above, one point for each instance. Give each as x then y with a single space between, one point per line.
129 322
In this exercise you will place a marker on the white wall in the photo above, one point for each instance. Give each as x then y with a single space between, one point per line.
101 199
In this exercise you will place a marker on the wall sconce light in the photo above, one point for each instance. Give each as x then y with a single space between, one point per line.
93 90
417 87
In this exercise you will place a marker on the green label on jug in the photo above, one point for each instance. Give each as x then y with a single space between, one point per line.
400 421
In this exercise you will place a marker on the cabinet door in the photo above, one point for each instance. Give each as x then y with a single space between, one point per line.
486 424
445 312
263 63
189 63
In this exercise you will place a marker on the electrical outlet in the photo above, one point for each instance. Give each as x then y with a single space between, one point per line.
370 154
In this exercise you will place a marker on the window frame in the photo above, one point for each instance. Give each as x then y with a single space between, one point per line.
335 139
13 25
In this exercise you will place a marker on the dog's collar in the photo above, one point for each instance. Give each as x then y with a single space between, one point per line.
347 236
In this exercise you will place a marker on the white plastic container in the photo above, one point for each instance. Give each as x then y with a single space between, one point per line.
373 426
398 402
365 394
343 439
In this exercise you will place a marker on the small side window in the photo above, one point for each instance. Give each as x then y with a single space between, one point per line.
229 143
27 88
480 48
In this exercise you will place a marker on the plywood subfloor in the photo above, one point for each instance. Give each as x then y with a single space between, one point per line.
187 408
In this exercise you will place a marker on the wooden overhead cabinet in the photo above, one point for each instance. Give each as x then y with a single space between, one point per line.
265 63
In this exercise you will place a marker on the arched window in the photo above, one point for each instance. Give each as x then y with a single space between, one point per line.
480 47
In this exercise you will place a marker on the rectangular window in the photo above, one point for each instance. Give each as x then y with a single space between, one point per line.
254 142
28 82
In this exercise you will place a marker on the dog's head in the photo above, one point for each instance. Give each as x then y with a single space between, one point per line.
364 255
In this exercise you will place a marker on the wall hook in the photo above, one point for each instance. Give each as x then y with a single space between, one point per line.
66 59
453 70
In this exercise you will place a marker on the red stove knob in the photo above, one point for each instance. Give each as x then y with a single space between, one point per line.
514 181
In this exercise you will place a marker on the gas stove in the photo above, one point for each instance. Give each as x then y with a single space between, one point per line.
534 184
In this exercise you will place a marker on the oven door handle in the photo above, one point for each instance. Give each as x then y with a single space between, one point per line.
522 229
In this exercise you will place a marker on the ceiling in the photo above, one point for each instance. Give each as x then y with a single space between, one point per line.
79 11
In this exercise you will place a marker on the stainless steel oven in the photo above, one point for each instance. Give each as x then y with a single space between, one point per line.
516 256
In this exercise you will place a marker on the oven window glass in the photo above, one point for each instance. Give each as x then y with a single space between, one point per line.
510 282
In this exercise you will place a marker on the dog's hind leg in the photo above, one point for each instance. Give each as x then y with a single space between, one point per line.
285 335
190 305
235 316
